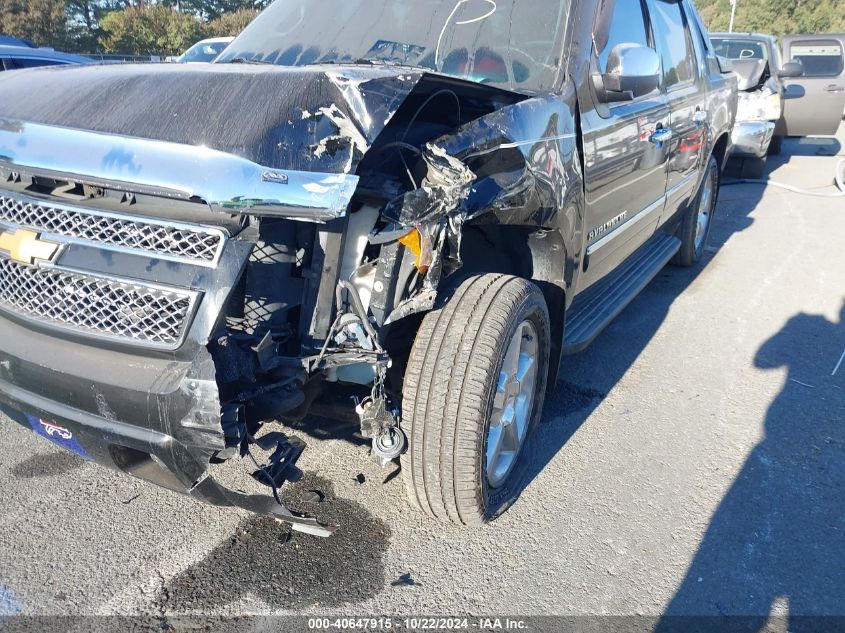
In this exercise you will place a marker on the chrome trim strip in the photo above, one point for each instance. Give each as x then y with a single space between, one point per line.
228 183
62 238
642 215
193 297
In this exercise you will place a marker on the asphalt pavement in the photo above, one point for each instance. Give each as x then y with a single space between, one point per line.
691 461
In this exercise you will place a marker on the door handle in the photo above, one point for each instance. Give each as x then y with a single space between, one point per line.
661 135
700 117
835 88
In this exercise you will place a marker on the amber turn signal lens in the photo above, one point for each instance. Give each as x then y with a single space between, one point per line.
413 242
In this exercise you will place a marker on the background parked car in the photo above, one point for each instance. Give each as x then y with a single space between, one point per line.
815 103
758 62
19 57
205 51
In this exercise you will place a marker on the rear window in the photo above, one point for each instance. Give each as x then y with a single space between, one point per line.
820 59
740 49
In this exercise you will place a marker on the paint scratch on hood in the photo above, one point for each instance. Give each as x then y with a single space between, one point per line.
351 91
347 134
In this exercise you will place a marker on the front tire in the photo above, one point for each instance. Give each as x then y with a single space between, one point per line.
472 396
698 216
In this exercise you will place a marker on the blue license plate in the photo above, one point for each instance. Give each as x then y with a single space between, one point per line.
57 434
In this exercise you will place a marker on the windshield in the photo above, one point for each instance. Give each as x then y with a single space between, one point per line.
740 49
203 52
513 44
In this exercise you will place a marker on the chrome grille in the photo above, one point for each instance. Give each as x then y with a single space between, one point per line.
105 307
174 240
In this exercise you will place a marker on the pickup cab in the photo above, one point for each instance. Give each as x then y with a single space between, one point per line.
409 219
815 102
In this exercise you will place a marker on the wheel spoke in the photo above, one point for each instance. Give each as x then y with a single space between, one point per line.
512 404
511 439
526 368
494 449
520 423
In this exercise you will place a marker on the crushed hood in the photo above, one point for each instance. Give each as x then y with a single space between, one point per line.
312 119
749 72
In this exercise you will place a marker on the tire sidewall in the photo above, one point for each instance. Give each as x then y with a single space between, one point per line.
496 501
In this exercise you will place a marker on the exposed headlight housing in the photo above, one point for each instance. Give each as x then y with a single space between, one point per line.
760 105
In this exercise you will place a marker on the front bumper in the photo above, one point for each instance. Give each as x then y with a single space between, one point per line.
751 139
157 419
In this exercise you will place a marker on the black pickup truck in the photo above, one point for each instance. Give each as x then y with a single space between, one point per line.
410 219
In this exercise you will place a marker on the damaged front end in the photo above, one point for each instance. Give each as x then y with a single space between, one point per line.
759 107
190 284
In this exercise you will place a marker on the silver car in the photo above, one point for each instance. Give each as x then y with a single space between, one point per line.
801 97
762 74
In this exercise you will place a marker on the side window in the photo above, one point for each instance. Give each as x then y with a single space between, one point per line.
627 26
34 63
700 35
673 42
821 59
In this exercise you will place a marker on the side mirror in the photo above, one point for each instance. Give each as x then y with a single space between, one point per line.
632 71
791 69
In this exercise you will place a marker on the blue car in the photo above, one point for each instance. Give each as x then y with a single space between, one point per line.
8 40
18 57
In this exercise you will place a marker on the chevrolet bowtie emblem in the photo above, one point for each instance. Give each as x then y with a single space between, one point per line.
25 247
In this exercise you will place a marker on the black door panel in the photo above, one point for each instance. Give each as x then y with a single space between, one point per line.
625 160
687 98
625 177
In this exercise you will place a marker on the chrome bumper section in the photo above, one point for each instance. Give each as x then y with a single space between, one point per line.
751 139
228 183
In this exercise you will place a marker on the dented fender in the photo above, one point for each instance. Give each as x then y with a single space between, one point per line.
518 166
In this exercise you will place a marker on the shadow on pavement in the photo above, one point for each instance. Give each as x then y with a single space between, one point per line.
47 465
586 378
775 543
816 146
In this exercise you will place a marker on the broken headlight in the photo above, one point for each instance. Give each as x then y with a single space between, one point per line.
760 105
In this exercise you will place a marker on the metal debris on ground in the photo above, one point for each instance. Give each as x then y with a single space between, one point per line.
313 496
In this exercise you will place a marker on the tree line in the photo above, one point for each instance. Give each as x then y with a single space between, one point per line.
775 17
137 27
168 27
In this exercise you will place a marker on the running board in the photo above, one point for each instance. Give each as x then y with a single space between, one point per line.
596 307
